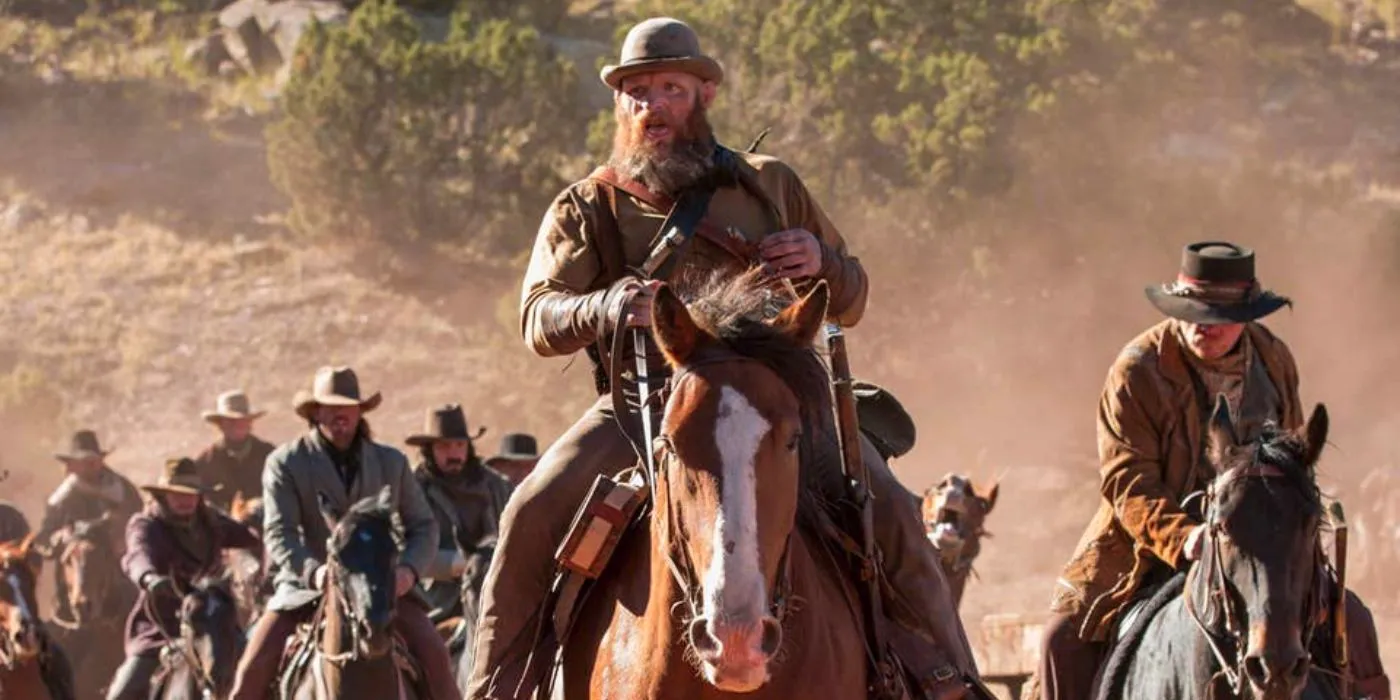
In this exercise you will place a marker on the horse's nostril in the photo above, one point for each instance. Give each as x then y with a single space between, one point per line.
772 636
1301 667
700 638
1257 671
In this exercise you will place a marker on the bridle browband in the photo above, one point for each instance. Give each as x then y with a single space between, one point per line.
684 573
1221 594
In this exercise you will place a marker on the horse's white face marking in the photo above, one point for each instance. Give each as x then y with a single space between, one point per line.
733 584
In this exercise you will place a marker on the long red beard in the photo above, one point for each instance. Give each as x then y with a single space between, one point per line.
664 168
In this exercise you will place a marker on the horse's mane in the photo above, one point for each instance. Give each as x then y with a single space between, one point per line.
1288 452
735 310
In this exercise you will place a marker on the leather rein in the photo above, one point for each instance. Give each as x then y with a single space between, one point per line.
1222 595
683 572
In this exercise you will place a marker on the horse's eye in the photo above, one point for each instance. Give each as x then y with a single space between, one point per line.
794 441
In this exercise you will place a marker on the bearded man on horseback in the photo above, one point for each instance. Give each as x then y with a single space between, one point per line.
582 292
1152 420
339 461
173 542
467 498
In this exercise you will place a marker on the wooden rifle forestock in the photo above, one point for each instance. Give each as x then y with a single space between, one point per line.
1341 645
858 481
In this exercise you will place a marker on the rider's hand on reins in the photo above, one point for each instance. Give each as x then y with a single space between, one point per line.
639 309
791 254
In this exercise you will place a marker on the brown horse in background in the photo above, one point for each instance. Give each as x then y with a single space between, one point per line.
730 591
21 641
99 597
955 514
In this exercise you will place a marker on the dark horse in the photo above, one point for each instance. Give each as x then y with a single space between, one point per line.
351 647
955 515
1240 623
98 595
730 590
199 663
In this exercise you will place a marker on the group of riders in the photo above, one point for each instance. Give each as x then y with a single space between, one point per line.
591 279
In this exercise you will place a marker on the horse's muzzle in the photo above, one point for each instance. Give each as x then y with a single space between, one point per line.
734 655
1277 672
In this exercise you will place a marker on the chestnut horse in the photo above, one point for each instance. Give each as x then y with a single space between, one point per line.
955 515
353 653
730 591
99 597
21 641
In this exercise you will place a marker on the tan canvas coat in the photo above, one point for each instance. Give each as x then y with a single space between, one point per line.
568 260
1150 437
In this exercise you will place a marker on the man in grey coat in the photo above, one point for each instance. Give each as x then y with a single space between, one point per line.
337 457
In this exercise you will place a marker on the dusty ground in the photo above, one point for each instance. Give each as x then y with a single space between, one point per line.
142 271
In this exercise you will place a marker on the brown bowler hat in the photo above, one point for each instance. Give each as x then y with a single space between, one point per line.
232 404
444 423
662 44
82 445
1216 285
334 386
178 476
515 447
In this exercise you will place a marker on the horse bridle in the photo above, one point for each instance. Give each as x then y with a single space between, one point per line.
359 626
1223 595
182 645
9 647
684 573
103 594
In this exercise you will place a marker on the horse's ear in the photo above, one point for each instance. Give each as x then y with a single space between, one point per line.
675 331
1315 434
1221 439
990 497
804 318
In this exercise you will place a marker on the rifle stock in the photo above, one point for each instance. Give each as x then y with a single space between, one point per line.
1340 642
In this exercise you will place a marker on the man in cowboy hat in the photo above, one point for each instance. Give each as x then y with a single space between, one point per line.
467 498
90 491
173 542
337 457
516 458
1210 344
234 463
579 291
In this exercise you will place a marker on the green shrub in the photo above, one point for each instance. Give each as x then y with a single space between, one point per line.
868 96
385 136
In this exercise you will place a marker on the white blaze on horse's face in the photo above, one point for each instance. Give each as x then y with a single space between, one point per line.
733 587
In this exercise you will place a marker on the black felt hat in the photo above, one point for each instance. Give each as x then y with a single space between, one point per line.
1216 284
